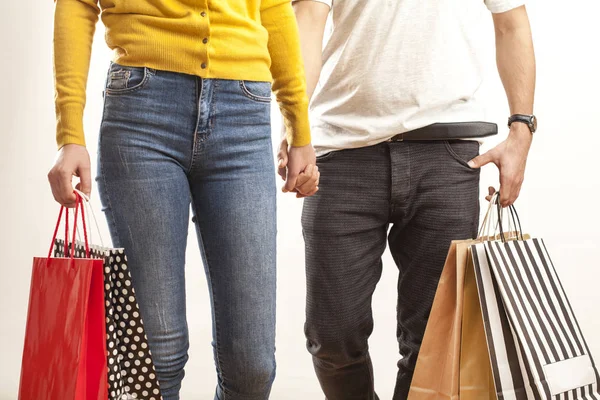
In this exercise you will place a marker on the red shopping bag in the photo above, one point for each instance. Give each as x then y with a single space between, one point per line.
64 356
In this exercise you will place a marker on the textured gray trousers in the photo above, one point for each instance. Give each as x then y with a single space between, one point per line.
429 196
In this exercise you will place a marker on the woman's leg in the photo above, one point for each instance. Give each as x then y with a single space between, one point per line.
233 190
145 150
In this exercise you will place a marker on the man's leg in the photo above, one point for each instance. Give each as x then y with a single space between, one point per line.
441 205
345 227
234 200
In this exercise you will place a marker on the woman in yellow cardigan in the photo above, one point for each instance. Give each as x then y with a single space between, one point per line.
186 120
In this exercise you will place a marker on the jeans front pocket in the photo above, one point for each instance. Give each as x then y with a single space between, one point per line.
257 91
462 151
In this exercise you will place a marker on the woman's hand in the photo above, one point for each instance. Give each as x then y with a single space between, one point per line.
72 160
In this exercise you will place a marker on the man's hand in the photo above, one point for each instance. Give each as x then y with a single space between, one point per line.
510 157
516 66
72 160
297 167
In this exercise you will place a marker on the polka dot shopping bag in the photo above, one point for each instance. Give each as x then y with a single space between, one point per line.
98 349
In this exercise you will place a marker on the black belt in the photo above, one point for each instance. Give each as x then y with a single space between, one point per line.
449 131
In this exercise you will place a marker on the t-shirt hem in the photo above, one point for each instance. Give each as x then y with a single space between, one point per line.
504 6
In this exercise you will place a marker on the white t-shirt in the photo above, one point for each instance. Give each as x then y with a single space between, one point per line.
390 66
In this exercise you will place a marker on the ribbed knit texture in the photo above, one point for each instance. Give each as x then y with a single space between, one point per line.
245 40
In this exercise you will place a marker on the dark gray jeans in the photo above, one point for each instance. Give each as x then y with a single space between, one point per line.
429 196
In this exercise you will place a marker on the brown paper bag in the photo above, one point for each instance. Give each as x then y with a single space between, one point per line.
437 371
454 360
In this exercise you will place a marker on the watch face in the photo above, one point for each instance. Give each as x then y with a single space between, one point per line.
533 125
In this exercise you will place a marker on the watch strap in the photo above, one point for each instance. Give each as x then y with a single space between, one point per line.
524 118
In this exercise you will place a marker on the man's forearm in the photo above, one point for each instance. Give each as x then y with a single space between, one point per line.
515 59
311 17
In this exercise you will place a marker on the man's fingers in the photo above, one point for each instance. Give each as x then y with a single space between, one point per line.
301 196
506 183
481 160
304 178
310 184
491 191
301 166
309 170
503 195
510 188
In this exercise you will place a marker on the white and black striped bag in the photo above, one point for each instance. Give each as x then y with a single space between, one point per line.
536 347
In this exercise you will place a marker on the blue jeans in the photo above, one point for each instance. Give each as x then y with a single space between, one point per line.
168 140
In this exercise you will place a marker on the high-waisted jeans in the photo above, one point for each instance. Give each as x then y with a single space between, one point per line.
169 140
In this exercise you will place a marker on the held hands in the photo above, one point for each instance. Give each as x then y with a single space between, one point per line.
297 167
510 157
72 160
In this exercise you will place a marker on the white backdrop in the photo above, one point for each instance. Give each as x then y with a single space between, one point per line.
557 202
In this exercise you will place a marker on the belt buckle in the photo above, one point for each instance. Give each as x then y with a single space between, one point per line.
397 138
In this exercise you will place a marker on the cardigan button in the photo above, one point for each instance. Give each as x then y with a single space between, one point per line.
203 13
203 66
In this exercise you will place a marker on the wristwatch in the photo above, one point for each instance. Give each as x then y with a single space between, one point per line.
529 120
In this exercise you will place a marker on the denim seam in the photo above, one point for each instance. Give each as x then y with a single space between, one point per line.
109 213
199 136
198 97
213 109
214 298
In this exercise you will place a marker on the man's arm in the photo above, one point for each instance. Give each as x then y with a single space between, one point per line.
516 65
515 59
311 17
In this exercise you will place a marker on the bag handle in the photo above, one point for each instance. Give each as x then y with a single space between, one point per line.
514 216
90 210
487 220
65 210
513 221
